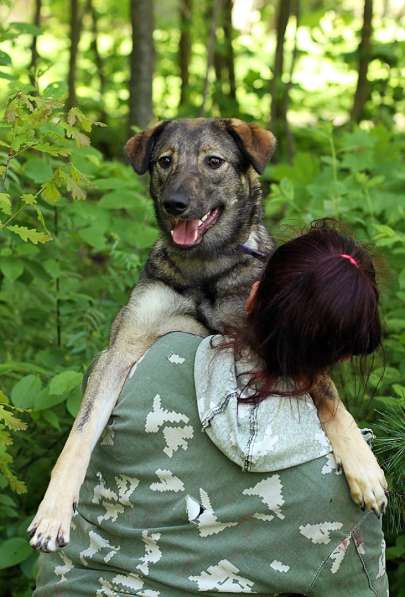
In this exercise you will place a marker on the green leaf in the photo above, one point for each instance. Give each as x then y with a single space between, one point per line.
25 390
52 267
399 390
5 203
44 400
50 193
7 76
119 199
57 90
28 28
144 236
34 236
28 199
73 403
9 419
65 382
388 401
13 551
287 189
5 59
52 418
11 268
38 169
94 237
384 376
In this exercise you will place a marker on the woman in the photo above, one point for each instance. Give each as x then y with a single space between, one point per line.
214 474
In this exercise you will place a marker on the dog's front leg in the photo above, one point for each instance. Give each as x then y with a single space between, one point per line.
364 476
50 528
153 310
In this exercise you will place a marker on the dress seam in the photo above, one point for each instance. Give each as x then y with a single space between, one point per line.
319 570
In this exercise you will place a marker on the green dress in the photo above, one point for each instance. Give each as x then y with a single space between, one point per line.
164 512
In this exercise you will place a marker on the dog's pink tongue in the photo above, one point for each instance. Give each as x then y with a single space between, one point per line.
186 232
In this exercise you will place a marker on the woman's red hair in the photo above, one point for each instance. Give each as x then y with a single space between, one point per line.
317 303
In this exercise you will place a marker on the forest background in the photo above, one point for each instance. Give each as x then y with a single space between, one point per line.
77 79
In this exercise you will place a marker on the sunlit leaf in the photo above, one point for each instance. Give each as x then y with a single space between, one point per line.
30 234
5 203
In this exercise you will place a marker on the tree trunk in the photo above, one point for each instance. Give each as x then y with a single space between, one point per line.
290 145
215 14
277 90
97 57
75 25
34 49
229 53
141 63
362 89
185 46
219 69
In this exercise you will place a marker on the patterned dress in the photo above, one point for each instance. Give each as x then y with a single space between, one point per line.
164 512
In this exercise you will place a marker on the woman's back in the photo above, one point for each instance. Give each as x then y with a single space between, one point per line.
164 512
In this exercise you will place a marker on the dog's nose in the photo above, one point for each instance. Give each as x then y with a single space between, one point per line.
176 204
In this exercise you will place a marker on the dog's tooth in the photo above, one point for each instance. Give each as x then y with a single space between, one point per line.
204 217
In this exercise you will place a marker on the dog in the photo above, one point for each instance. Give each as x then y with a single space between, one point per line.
213 246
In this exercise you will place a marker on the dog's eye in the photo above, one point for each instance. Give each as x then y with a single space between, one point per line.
165 162
214 162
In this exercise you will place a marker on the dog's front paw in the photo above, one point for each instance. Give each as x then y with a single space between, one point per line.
365 478
50 529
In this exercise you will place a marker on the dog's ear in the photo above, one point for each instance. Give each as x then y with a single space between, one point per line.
139 147
256 144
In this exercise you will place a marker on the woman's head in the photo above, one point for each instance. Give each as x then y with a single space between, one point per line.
317 303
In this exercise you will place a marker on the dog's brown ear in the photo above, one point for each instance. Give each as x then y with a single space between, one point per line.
139 147
256 144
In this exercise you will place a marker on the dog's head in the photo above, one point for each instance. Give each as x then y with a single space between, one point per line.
202 172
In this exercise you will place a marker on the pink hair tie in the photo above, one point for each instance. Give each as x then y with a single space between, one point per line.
352 260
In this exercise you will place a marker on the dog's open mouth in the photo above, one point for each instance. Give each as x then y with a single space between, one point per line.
187 233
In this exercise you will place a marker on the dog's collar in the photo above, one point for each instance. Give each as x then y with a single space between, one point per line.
253 252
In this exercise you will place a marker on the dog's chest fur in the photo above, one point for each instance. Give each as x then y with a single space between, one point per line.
217 284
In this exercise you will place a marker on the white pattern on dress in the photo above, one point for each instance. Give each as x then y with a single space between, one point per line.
64 569
381 561
175 436
168 482
279 566
204 517
159 416
97 543
106 588
114 502
330 465
338 554
320 533
176 359
224 578
152 551
270 492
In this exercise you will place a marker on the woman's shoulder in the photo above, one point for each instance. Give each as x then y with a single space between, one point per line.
173 343
170 357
